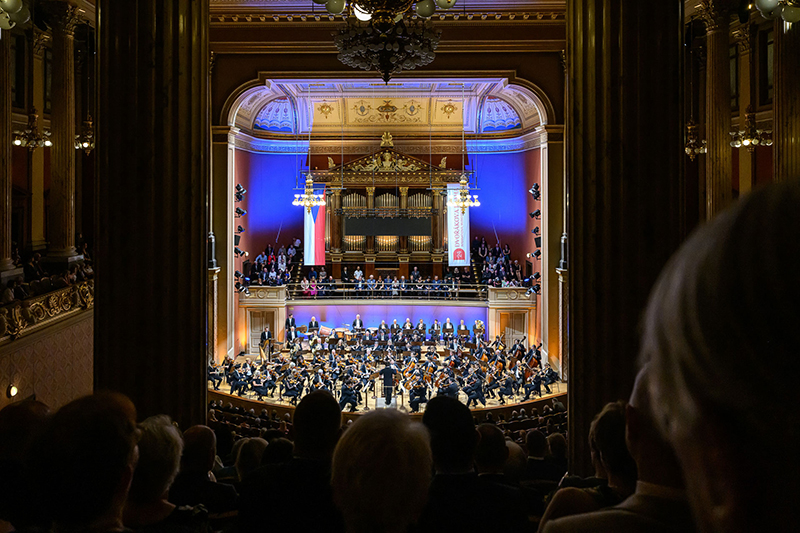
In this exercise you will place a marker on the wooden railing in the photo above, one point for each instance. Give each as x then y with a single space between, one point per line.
23 317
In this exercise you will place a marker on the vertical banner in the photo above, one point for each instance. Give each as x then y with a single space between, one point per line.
314 236
457 231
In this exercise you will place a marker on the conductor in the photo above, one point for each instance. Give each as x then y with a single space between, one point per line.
387 373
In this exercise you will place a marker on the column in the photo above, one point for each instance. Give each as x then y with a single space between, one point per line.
552 227
625 175
744 40
152 189
786 102
223 224
61 218
436 223
370 247
719 169
403 248
38 242
7 269
336 222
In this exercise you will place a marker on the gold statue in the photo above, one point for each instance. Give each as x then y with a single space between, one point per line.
331 164
443 162
386 140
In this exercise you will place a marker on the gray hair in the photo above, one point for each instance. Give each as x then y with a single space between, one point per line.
722 328
160 449
381 472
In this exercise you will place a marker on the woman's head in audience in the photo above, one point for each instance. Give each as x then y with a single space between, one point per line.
160 450
249 456
610 455
721 337
381 472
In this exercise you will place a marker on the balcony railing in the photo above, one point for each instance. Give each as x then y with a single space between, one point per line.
23 317
352 291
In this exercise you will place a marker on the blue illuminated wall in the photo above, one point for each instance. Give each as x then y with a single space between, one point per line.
335 316
504 180
270 182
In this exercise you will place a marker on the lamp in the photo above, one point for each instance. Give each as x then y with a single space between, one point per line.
694 146
788 10
13 12
30 137
12 391
750 137
463 199
308 199
239 252
85 139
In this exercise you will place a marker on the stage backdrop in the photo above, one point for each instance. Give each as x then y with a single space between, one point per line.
336 316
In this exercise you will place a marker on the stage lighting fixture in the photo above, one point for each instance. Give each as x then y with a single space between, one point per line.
239 252
240 212
239 196
529 292
535 230
12 391
536 214
240 189
238 275
537 276
239 229
537 288
537 254
535 192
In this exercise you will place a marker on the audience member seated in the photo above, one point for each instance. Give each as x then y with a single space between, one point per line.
612 462
491 456
458 499
659 504
84 462
249 457
721 335
381 472
8 292
540 466
279 450
19 424
147 509
193 485
299 488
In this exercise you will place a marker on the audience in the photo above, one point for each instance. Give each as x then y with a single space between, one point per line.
303 482
381 473
540 466
147 508
459 500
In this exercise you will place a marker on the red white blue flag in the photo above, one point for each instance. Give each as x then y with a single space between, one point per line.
314 236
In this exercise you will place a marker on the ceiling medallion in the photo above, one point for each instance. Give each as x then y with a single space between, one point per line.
379 38
325 109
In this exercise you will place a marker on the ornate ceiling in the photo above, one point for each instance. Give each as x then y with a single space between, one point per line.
410 108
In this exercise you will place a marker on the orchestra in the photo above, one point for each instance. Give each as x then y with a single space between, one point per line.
389 361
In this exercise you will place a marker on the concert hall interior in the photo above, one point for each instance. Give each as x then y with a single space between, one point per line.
218 208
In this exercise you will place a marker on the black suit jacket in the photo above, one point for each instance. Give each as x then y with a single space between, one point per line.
265 336
313 325
290 322
358 324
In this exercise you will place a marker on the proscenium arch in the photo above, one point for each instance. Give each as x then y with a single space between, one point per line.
233 103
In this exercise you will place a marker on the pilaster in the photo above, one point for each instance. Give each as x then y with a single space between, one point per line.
786 102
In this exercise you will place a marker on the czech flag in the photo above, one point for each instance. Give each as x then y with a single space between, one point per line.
314 236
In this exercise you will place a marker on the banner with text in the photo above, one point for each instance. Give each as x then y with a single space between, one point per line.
457 231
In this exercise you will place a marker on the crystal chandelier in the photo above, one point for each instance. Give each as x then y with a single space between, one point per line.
85 139
694 146
30 138
788 10
751 137
308 199
463 199
13 12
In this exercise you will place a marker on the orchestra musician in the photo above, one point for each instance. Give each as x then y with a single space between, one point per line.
292 335
214 375
463 329
358 324
290 322
447 328
506 388
313 325
383 326
349 395
436 331
266 341
421 329
417 395
407 324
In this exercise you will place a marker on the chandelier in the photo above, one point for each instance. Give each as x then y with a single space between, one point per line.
308 199
30 138
463 199
380 39
694 146
85 139
751 137
789 10
13 12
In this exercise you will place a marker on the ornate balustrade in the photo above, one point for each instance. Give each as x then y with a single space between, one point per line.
24 317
